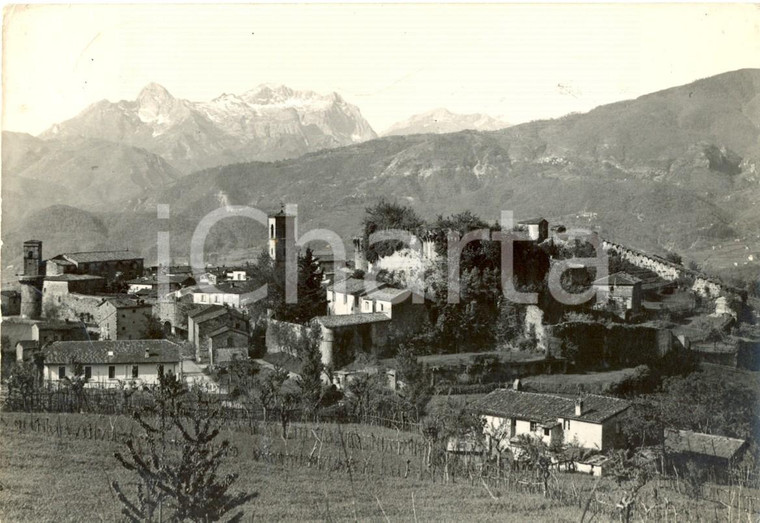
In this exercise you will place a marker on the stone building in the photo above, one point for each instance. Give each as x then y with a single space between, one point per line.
620 291
536 228
111 265
124 319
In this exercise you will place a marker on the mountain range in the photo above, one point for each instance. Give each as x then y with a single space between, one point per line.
269 122
678 169
442 120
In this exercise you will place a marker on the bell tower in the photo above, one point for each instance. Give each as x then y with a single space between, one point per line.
282 234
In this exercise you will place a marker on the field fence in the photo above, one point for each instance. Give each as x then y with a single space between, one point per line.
333 449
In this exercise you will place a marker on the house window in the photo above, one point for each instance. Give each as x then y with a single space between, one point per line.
160 370
533 426
345 299
135 371
88 373
547 432
567 424
111 372
61 372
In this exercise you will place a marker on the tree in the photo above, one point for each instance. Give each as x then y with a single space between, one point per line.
311 373
630 477
365 393
674 257
177 462
417 386
269 388
311 299
386 215
23 381
508 326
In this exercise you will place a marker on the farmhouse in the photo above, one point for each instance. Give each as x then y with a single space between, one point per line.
590 422
109 362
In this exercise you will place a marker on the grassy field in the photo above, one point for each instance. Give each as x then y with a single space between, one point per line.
594 382
59 467
44 477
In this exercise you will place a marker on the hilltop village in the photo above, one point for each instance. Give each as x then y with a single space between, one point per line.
553 370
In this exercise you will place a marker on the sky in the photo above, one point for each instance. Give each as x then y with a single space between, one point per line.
517 62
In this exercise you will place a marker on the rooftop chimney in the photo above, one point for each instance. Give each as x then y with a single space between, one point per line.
516 384
110 353
579 407
147 355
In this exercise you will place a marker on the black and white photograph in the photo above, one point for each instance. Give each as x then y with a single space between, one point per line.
489 262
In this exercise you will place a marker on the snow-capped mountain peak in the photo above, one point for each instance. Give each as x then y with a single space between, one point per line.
441 120
268 122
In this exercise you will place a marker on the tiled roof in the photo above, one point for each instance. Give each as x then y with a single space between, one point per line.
389 294
355 286
124 303
349 320
699 443
202 310
124 351
100 256
153 280
60 325
73 277
226 328
541 408
619 278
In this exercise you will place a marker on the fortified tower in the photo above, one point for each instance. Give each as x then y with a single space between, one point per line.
31 280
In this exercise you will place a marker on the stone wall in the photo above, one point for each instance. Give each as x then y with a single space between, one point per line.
618 345
62 305
703 285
